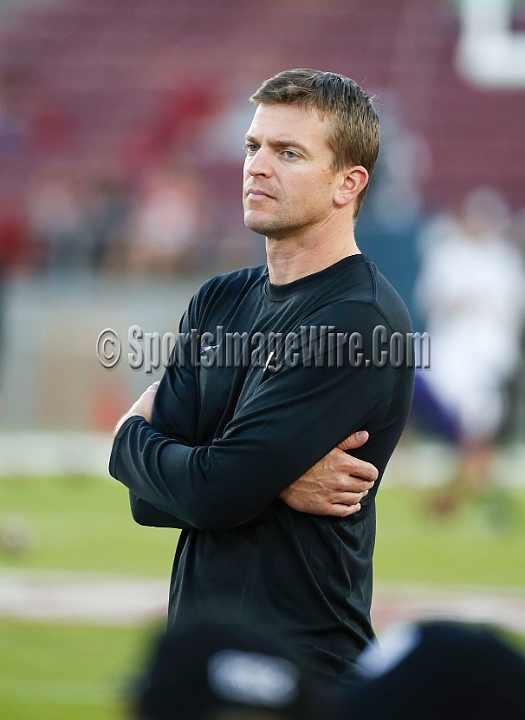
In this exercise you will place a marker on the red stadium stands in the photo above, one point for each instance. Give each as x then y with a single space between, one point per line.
107 68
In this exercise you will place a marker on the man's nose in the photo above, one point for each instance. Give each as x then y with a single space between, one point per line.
259 163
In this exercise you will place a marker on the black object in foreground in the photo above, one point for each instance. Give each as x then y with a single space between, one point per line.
437 671
216 670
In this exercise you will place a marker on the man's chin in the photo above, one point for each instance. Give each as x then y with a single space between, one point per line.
259 225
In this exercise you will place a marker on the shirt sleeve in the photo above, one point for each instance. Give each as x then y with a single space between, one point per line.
144 513
293 418
179 424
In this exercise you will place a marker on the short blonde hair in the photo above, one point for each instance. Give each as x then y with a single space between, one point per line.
354 138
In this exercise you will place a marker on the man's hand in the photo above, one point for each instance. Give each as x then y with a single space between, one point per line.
336 484
143 406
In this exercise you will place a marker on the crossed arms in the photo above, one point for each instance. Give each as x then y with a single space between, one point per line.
286 439
334 485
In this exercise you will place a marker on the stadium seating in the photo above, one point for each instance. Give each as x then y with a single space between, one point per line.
108 65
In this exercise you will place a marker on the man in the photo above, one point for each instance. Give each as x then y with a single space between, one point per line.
242 458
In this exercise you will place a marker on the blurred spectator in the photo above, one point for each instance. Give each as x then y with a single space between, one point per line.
165 224
58 221
436 671
223 671
108 209
471 291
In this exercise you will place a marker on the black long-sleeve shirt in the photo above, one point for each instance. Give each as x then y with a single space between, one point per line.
225 441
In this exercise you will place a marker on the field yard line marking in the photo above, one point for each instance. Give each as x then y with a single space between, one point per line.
497 606
77 597
108 599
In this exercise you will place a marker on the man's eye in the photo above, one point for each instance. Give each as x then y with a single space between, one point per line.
290 154
250 148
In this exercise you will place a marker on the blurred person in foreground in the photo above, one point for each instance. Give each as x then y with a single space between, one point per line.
248 458
472 291
213 670
434 670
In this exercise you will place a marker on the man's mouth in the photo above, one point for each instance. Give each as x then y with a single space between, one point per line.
257 194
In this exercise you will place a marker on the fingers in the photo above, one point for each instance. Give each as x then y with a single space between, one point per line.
360 469
350 467
354 484
344 504
344 510
349 498
348 474
343 483
354 441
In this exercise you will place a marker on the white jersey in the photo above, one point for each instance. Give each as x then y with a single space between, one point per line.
472 291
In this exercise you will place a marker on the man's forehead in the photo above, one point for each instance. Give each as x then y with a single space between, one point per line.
283 120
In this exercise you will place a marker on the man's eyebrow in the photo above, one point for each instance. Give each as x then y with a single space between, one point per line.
284 143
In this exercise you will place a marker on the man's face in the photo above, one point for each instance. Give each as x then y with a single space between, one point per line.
288 178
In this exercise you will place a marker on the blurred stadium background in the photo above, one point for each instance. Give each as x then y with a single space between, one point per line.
121 135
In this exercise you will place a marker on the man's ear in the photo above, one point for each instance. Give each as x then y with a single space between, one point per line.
353 181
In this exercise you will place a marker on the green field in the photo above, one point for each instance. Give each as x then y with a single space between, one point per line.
58 671
67 672
82 524
480 544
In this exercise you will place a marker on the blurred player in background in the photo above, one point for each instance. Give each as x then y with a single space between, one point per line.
248 459
472 291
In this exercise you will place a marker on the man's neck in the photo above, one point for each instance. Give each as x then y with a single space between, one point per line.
292 258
